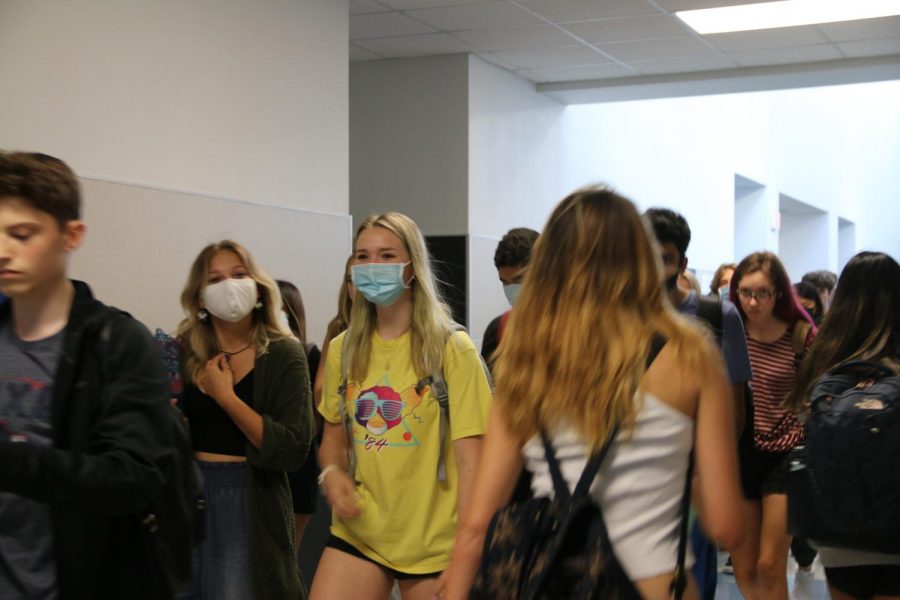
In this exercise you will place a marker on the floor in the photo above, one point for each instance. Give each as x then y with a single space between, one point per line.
726 589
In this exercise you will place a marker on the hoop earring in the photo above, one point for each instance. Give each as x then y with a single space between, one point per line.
202 314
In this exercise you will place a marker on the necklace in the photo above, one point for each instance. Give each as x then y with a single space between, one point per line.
228 355
394 348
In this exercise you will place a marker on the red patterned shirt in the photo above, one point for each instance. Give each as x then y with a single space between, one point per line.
776 429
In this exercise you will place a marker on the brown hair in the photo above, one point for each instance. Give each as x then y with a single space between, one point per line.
292 304
44 182
341 320
576 343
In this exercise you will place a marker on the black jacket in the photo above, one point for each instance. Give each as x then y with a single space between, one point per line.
109 423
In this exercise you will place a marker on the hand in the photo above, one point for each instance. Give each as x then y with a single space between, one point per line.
340 491
217 380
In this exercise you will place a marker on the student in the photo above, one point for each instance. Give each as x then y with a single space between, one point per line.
721 280
862 324
810 300
674 235
593 298
396 500
83 406
304 491
778 333
824 282
511 260
247 400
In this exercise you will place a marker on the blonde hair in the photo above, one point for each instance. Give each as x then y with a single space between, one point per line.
198 337
592 302
431 321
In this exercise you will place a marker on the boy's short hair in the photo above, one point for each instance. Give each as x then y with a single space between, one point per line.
514 249
43 181
822 280
669 227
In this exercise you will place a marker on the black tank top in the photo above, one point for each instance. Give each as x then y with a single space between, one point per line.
212 430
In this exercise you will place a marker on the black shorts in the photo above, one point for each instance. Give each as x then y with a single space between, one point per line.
763 473
339 544
305 485
865 581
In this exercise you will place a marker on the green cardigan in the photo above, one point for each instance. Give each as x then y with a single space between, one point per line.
281 394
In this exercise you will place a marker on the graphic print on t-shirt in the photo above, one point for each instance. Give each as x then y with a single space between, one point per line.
386 415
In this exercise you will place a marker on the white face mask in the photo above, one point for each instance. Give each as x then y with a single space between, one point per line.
231 299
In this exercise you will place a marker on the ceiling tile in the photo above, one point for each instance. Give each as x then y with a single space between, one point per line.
782 37
357 54
414 45
415 4
384 25
683 65
628 28
871 47
516 38
552 57
531 75
676 47
784 56
582 72
560 11
866 29
673 5
498 61
364 7
475 16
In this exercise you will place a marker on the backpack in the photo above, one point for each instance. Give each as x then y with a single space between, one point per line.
438 390
552 548
844 481
175 522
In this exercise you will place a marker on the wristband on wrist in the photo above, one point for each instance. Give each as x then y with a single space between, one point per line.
325 472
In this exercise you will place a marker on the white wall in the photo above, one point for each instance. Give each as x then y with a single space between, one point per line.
836 149
516 174
235 107
233 99
409 140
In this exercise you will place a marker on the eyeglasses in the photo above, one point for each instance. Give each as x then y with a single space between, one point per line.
390 409
760 295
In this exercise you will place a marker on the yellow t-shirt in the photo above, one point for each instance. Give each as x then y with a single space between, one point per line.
408 519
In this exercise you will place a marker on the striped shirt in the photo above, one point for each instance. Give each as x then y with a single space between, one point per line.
774 372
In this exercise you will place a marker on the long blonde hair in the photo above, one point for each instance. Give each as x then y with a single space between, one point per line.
576 343
198 337
431 320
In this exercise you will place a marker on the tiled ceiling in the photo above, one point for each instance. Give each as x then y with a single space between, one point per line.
574 40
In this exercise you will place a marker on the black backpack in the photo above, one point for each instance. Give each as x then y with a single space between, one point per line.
844 481
553 548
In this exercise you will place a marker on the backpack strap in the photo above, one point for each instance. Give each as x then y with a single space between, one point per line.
439 390
709 310
798 339
679 581
345 414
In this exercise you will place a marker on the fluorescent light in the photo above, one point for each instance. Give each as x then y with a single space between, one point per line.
787 13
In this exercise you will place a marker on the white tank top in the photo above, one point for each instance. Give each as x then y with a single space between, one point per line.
639 486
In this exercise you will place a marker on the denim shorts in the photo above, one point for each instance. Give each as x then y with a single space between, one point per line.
222 562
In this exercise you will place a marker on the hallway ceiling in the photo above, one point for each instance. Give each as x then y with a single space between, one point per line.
550 41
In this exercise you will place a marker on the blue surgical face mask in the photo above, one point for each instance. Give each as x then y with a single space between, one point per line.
379 283
723 292
512 292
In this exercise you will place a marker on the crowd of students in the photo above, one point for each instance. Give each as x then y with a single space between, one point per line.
413 439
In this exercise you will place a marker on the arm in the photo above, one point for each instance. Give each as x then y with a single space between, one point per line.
467 452
337 486
715 448
737 359
496 476
125 430
285 409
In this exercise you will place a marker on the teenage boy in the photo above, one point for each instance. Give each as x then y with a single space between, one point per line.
82 406
511 260
674 235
